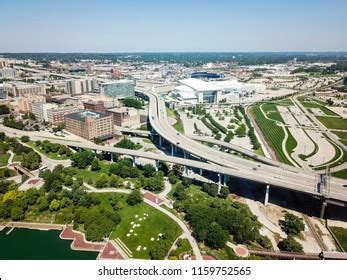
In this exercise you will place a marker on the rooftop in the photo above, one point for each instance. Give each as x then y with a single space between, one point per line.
81 116
199 85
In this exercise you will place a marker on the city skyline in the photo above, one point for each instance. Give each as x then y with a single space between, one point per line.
182 26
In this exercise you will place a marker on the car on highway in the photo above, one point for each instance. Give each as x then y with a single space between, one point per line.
278 177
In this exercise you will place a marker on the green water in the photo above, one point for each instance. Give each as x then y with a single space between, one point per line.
29 244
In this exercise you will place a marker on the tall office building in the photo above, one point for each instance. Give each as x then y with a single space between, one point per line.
80 86
21 89
3 63
119 89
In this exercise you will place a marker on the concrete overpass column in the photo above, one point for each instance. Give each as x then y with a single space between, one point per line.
160 141
172 149
111 156
224 180
156 165
200 172
266 200
322 210
219 182
134 161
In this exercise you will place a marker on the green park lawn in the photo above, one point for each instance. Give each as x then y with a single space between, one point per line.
179 124
88 175
183 247
333 122
4 159
155 223
51 155
273 133
341 235
340 174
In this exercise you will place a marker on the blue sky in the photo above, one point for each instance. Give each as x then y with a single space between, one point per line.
174 25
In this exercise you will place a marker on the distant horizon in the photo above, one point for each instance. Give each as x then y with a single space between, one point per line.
151 52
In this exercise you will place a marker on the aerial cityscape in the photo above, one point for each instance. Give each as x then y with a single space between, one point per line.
172 153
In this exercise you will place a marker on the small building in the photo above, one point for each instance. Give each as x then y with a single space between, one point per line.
92 105
124 116
90 125
56 116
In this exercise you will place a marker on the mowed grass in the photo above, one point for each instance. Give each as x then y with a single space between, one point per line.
4 159
333 122
341 235
340 174
274 134
51 155
155 223
88 175
179 124
183 247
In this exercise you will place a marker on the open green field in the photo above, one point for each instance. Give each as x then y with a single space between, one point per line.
183 246
179 124
4 159
316 104
341 235
151 223
340 174
341 134
274 134
51 155
333 122
88 175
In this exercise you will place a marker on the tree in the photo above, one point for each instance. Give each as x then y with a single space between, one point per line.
135 197
216 236
290 244
25 138
4 109
2 136
224 192
158 251
102 181
17 214
164 167
95 165
82 159
55 205
126 143
177 169
68 181
148 170
31 160
115 181
292 225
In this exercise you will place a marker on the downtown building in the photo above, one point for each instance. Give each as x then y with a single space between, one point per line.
22 89
118 89
81 86
90 125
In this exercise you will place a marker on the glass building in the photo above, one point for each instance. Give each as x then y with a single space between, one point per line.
118 89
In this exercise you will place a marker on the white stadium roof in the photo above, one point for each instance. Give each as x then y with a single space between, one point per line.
199 85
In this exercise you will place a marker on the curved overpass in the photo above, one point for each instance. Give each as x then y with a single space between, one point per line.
281 175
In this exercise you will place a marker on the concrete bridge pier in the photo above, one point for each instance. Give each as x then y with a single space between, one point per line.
219 182
111 157
160 141
267 192
200 172
172 150
134 161
156 165
322 210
